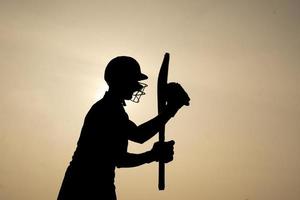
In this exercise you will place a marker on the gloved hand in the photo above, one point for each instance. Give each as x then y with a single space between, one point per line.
163 151
176 97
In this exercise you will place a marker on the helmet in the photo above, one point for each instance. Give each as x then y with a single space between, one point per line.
125 69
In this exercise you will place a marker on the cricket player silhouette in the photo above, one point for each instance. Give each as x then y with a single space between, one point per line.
102 145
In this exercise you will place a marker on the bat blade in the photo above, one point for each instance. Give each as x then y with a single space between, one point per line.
161 99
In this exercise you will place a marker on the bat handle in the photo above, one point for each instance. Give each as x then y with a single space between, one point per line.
161 164
161 175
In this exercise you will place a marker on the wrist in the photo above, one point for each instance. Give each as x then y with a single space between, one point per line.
150 156
171 111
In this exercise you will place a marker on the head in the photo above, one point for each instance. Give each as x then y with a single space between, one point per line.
123 76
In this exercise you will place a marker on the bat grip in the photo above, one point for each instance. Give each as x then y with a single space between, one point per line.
161 164
161 176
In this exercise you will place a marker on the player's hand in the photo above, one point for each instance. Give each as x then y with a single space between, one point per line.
163 151
176 97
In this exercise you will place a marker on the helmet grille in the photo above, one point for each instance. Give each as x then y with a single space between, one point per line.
137 94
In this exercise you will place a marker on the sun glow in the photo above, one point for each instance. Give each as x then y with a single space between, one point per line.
100 91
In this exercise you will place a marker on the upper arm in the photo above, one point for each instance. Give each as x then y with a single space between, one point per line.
133 133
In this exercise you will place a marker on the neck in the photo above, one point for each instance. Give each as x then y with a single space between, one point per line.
116 96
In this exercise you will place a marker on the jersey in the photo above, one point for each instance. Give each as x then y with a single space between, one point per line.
103 140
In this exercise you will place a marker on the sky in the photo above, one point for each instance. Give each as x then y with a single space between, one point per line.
238 60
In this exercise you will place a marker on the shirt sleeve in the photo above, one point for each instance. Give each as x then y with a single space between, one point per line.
132 130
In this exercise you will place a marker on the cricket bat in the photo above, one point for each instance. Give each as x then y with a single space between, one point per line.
161 99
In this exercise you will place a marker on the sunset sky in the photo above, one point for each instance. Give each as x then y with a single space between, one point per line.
238 60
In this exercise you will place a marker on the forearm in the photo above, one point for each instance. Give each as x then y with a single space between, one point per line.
134 160
148 129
